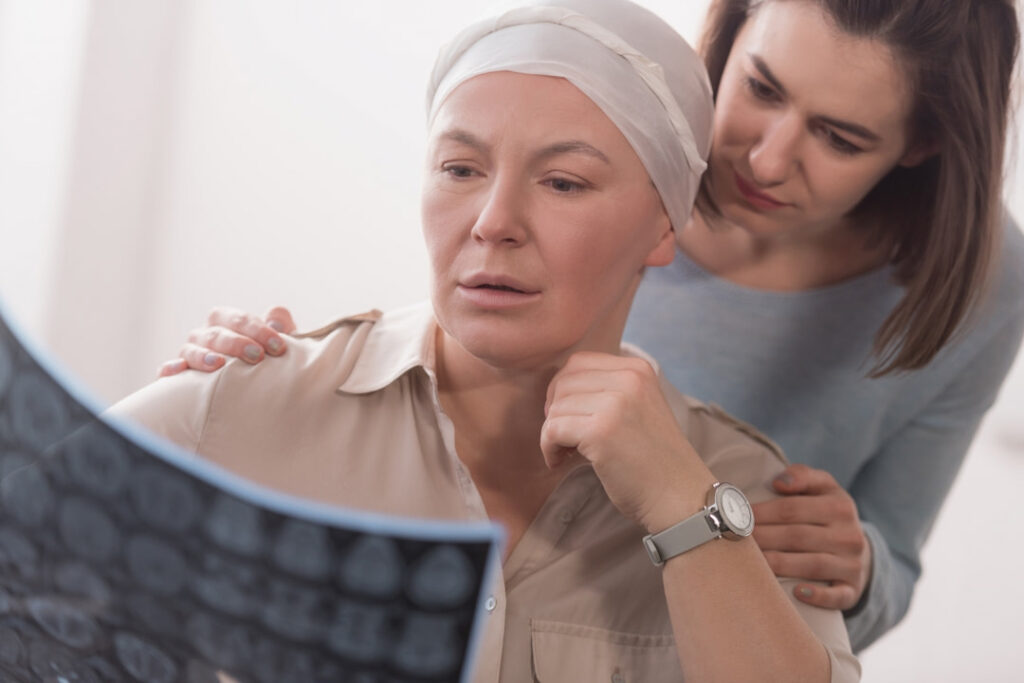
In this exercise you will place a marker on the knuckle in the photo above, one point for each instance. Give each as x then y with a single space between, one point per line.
633 382
237 321
798 537
194 356
799 470
852 542
816 568
218 314
643 368
209 337
601 430
846 507
787 510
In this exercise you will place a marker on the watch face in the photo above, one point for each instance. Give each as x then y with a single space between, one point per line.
736 510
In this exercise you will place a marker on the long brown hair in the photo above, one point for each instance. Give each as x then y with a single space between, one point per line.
943 215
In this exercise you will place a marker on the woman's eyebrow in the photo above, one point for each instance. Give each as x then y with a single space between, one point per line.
572 147
855 129
464 137
761 66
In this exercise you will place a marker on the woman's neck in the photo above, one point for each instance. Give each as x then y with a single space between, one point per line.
497 413
781 263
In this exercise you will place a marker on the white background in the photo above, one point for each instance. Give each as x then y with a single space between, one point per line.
157 158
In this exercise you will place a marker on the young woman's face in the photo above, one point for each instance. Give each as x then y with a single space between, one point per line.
808 120
538 217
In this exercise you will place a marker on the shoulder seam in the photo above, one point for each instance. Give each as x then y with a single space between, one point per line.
209 409
370 316
749 430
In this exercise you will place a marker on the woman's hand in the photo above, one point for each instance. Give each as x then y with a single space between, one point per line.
231 332
813 532
611 411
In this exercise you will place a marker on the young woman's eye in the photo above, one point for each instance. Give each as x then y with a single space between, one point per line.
565 186
840 144
760 90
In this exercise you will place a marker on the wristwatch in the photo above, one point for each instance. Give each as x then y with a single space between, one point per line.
726 515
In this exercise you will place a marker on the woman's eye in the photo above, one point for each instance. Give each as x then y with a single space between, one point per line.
759 89
840 144
457 171
564 186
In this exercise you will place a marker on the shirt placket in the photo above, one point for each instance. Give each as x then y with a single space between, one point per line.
538 546
488 660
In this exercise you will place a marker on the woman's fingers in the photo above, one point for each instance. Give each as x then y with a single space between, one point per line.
280 319
172 367
814 566
813 532
804 479
235 333
201 358
221 340
840 596
809 538
807 509
250 328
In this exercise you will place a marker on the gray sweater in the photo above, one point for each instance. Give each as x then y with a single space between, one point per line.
794 364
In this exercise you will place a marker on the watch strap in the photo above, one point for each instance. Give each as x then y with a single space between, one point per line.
686 535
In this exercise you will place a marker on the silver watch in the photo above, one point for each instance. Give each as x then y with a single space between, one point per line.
727 514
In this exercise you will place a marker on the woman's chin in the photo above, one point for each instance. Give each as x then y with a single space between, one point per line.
510 349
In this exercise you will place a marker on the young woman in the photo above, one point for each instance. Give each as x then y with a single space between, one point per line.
849 283
554 135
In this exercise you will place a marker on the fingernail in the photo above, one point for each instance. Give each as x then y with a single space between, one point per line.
275 345
785 479
805 592
252 352
274 325
211 358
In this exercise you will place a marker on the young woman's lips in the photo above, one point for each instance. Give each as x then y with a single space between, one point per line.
756 199
496 292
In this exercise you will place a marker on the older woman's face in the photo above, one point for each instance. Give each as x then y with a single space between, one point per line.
539 219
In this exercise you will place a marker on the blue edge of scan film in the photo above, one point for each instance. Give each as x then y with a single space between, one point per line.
290 506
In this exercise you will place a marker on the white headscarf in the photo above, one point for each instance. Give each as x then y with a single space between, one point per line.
642 74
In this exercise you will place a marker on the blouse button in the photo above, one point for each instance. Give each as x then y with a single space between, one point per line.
618 678
491 603
566 517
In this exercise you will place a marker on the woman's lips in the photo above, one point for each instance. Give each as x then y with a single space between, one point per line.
496 297
757 199
492 291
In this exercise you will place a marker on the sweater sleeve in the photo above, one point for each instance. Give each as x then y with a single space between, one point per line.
899 491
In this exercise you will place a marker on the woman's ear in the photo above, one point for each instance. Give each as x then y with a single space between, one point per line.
918 153
665 249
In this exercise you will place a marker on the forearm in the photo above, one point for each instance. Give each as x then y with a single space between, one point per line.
733 622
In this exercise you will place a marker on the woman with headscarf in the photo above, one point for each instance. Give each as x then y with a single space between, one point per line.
564 144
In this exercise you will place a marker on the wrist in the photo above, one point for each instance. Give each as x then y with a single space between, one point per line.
726 514
678 502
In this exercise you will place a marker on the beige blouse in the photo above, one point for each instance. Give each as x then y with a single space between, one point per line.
350 415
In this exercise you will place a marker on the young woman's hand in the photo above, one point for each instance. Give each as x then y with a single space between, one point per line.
813 532
611 411
231 332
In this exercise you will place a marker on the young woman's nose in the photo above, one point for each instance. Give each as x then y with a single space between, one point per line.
774 156
501 219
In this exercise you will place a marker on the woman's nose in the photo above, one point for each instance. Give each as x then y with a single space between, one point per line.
774 156
502 218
